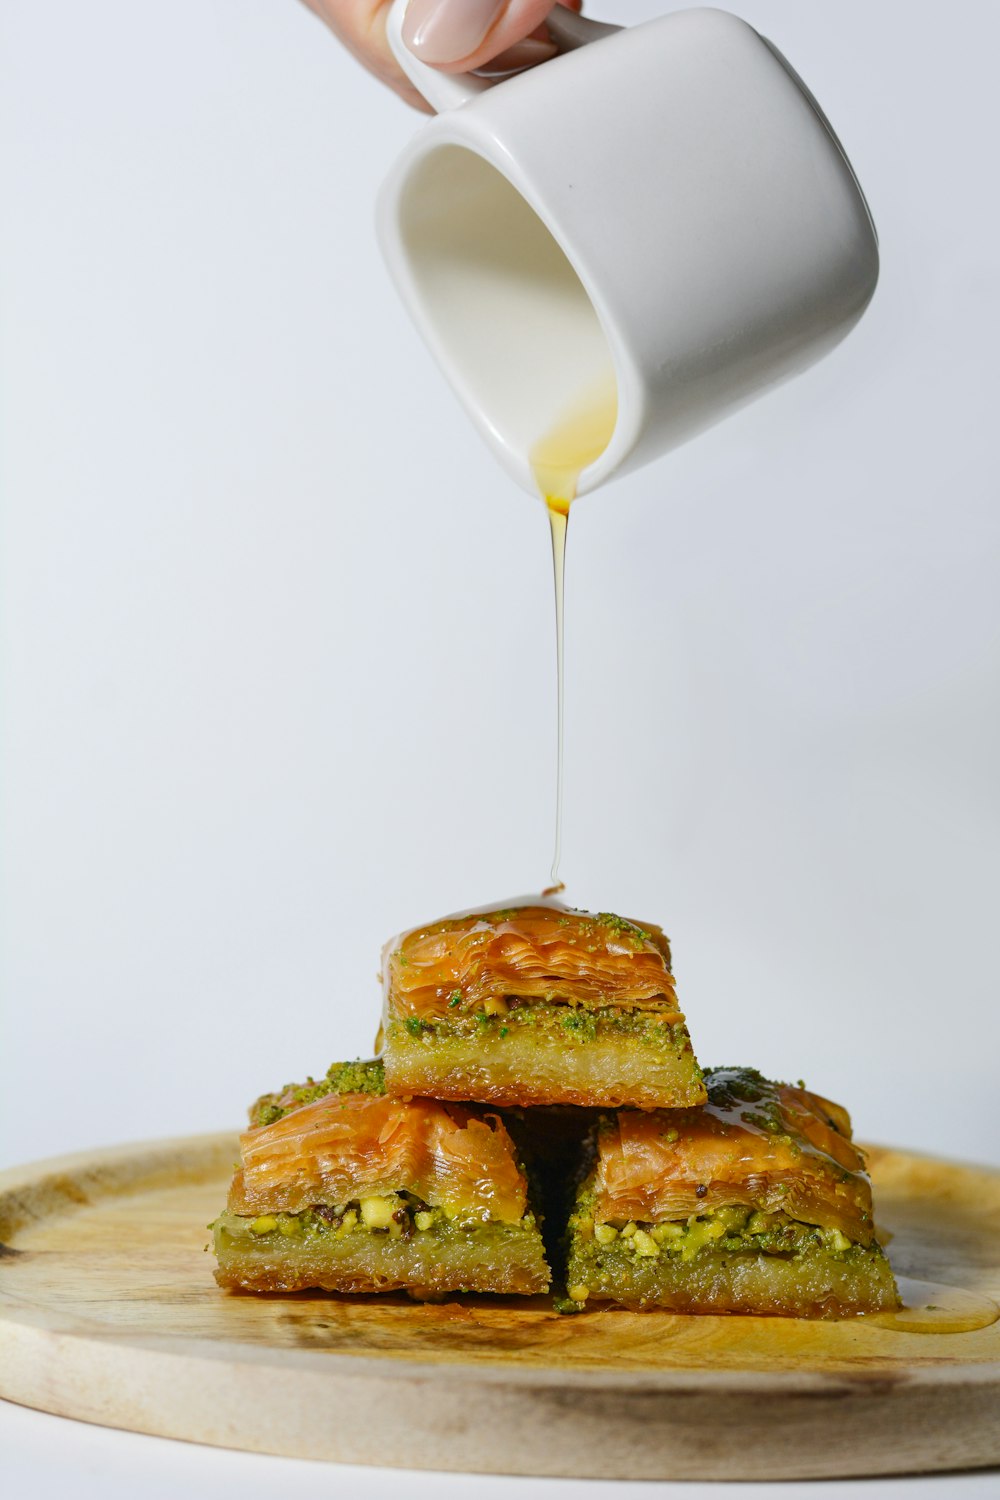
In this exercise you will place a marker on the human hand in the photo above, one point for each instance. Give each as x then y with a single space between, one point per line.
457 36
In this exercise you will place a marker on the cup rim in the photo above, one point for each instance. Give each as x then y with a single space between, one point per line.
463 129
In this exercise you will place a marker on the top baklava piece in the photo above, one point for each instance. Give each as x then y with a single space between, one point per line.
537 1005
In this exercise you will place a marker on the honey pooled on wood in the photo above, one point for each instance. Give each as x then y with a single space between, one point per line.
932 1307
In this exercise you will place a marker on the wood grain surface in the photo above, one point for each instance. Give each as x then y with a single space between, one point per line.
109 1313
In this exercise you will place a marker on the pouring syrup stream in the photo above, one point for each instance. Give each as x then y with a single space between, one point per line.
557 460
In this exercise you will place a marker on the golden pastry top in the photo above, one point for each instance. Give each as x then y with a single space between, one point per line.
341 1147
531 953
770 1146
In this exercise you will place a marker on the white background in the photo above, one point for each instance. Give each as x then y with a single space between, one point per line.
277 640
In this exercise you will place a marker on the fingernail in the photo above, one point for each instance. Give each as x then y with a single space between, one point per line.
445 31
522 55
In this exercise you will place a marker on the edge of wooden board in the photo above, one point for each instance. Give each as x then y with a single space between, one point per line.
418 1418
632 1424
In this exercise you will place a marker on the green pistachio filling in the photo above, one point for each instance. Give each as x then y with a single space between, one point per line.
568 1024
399 1216
729 1230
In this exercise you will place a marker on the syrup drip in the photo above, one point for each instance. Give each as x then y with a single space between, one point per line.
559 525
931 1307
557 462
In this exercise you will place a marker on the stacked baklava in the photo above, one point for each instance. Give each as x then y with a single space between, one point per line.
536 1066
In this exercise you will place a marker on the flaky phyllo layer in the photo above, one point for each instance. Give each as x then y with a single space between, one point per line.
462 964
353 1145
355 1191
769 1146
537 1005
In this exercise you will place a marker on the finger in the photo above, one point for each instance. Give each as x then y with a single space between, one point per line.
460 35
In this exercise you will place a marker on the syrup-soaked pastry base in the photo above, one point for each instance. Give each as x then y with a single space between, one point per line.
814 1281
446 1257
509 1062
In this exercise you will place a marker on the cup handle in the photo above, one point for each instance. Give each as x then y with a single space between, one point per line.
569 30
449 90
441 90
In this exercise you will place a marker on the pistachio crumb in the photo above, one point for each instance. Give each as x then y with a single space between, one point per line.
376 1213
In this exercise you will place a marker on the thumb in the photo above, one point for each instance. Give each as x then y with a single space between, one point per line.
460 35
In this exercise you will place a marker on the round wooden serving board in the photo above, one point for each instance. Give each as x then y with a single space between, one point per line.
109 1313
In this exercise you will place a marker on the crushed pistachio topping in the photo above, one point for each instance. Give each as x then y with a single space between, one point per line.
360 1077
622 927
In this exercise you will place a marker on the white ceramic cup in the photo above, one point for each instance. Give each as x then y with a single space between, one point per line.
665 206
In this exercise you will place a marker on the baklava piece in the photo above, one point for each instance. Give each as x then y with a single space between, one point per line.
537 1005
756 1203
344 1189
